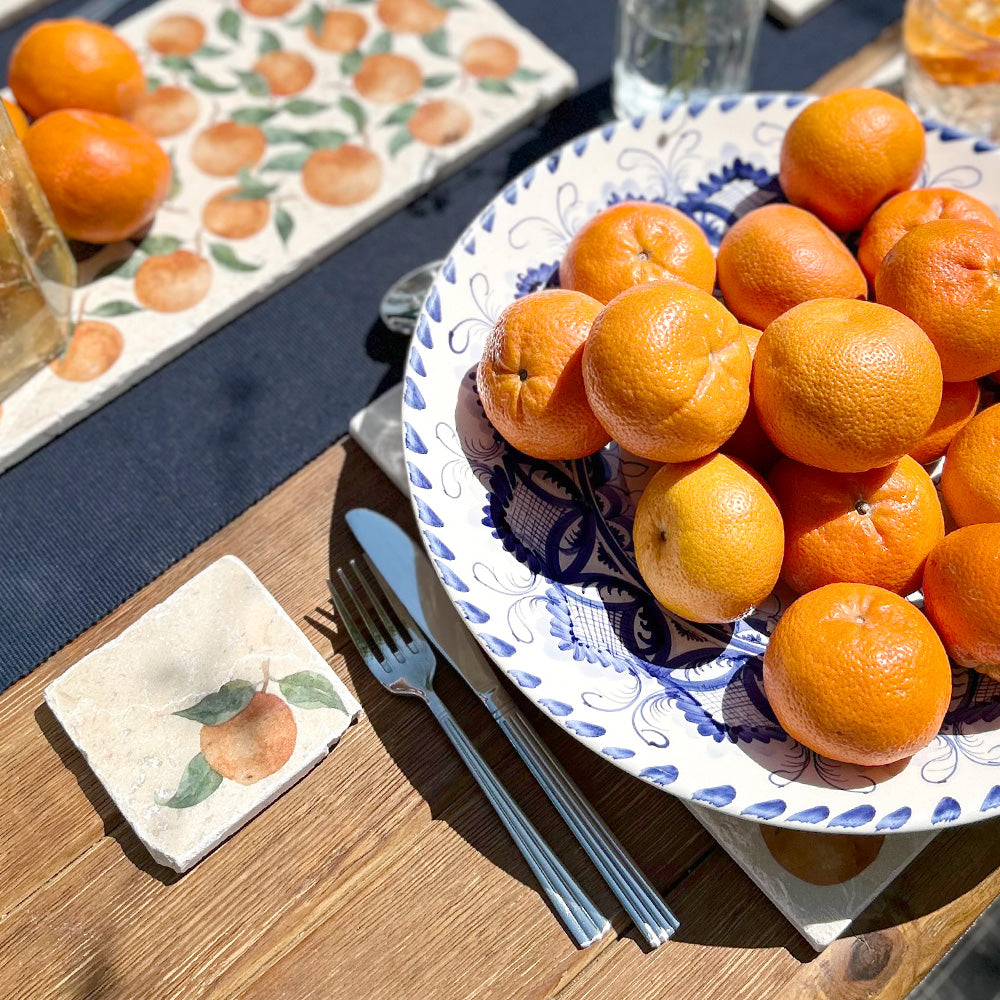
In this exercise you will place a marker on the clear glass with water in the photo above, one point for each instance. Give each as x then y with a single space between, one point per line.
669 51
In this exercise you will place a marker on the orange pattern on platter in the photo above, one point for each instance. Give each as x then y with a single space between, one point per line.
94 347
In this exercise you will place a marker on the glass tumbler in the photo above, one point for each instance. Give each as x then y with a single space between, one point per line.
669 51
952 73
37 270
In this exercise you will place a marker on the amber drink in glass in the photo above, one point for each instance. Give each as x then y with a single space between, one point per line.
37 270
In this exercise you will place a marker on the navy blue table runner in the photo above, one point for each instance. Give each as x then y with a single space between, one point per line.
105 508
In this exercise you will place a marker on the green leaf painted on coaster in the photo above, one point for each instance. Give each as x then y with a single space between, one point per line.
351 107
351 63
399 139
314 19
179 64
229 24
308 689
400 115
284 223
326 138
250 187
492 86
436 41
275 134
122 268
253 83
382 42
269 42
524 75
288 161
226 256
210 52
441 80
252 116
119 307
210 86
221 705
196 784
302 106
160 244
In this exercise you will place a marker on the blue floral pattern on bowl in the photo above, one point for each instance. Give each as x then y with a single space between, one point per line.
538 556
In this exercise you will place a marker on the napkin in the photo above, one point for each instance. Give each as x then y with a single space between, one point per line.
819 881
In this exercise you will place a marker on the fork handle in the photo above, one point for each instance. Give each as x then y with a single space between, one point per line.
637 894
582 918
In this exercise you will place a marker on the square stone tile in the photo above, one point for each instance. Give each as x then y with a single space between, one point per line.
202 712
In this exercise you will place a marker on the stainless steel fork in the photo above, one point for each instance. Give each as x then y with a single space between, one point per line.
404 664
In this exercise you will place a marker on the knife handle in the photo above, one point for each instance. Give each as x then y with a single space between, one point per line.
637 894
583 919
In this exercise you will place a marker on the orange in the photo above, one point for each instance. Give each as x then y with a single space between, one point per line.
225 148
907 210
165 111
856 527
777 256
340 31
489 58
104 177
945 275
530 378
73 63
857 673
959 402
440 122
388 78
94 347
286 73
411 16
254 743
633 242
173 282
176 35
667 371
962 596
845 385
845 153
708 539
748 442
343 176
970 479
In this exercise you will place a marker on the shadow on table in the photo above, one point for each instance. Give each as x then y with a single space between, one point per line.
115 825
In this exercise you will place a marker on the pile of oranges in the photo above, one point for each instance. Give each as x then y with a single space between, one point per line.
795 387
79 82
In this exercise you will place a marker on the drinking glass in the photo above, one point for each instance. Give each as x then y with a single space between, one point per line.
952 72
669 51
37 270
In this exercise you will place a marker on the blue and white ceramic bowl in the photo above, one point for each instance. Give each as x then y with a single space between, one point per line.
538 557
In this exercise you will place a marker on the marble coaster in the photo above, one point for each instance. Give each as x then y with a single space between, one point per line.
292 127
203 712
819 881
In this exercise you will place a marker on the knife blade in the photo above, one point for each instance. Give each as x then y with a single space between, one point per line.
409 572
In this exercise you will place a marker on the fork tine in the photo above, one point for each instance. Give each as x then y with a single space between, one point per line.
404 616
378 603
376 634
357 636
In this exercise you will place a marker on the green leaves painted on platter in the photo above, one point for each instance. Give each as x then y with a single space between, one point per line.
284 223
229 23
225 255
307 689
220 706
197 783
119 307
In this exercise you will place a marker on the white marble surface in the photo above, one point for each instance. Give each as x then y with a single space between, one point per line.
150 712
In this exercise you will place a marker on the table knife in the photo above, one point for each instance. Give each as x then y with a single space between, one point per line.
408 571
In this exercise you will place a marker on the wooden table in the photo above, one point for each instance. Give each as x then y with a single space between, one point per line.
384 872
